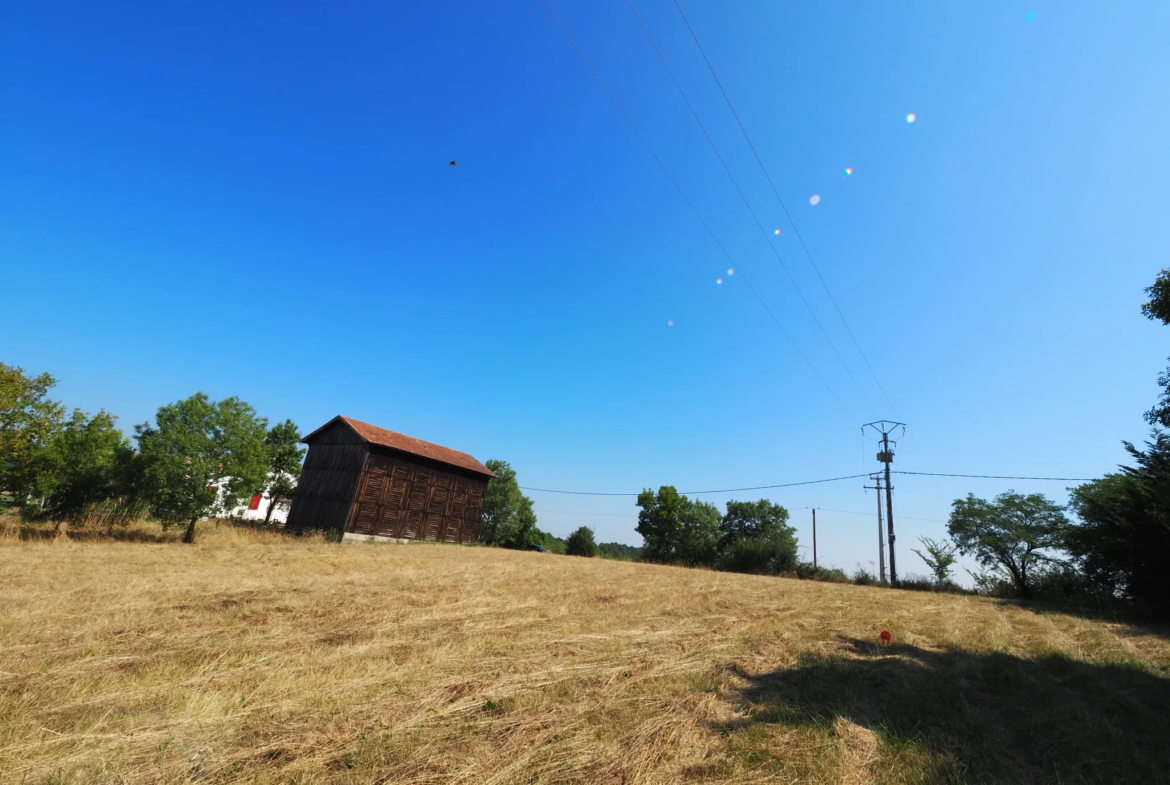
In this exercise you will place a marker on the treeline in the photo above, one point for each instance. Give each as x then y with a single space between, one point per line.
199 458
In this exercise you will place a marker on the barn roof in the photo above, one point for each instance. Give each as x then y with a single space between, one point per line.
408 444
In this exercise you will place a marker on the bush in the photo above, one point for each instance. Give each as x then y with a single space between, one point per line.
580 543
863 577
913 582
553 543
807 572
619 551
759 556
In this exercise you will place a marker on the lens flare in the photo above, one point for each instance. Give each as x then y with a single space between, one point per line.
731 271
815 200
718 280
776 232
670 322
848 170
911 117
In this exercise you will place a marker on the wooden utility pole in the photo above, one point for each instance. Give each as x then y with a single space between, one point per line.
877 486
886 456
814 509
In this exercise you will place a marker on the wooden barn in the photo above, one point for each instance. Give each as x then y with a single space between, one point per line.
367 482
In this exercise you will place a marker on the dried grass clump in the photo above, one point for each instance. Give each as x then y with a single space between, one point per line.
255 657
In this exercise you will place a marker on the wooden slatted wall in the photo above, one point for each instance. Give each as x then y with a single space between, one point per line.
397 498
324 497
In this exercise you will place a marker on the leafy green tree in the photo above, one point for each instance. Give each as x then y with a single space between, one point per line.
202 458
520 531
1011 536
939 557
28 418
752 520
1122 540
87 464
1157 308
581 543
500 503
508 517
285 455
676 529
756 538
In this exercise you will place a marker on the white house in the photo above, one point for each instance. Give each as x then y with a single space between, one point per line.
257 507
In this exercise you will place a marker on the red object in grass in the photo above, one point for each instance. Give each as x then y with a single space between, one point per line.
886 637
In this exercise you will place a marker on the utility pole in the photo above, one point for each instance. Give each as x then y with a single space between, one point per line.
877 486
814 509
886 456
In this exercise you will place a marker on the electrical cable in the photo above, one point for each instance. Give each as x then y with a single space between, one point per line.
764 232
1001 476
694 209
814 482
697 493
870 515
783 207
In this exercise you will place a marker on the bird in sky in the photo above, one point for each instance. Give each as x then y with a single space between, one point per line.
453 164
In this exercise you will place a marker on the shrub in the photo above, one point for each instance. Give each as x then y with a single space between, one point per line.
619 551
759 556
580 543
863 577
808 572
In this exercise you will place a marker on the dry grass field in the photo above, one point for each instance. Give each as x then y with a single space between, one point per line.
261 659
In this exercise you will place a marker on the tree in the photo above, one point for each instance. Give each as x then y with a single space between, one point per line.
677 529
753 520
581 543
1157 308
1010 536
283 447
1122 540
939 557
202 458
87 463
501 501
756 538
27 419
520 530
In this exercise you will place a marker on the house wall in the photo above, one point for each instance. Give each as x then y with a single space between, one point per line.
403 498
325 493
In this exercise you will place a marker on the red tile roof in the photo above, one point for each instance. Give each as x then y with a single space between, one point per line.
400 441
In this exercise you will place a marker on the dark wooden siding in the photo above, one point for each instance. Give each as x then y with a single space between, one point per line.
324 498
401 498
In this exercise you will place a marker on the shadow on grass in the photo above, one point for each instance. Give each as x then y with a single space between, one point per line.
38 533
980 717
1140 619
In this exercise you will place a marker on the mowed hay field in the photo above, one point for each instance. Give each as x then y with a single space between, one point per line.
259 658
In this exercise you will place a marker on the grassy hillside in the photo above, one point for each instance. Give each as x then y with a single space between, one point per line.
254 658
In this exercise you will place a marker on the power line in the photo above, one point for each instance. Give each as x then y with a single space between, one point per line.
747 203
697 493
815 482
870 514
775 191
1003 477
694 209
596 514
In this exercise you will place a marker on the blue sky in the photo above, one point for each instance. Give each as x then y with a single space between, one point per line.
256 201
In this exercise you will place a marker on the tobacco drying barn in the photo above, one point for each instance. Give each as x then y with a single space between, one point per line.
368 481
